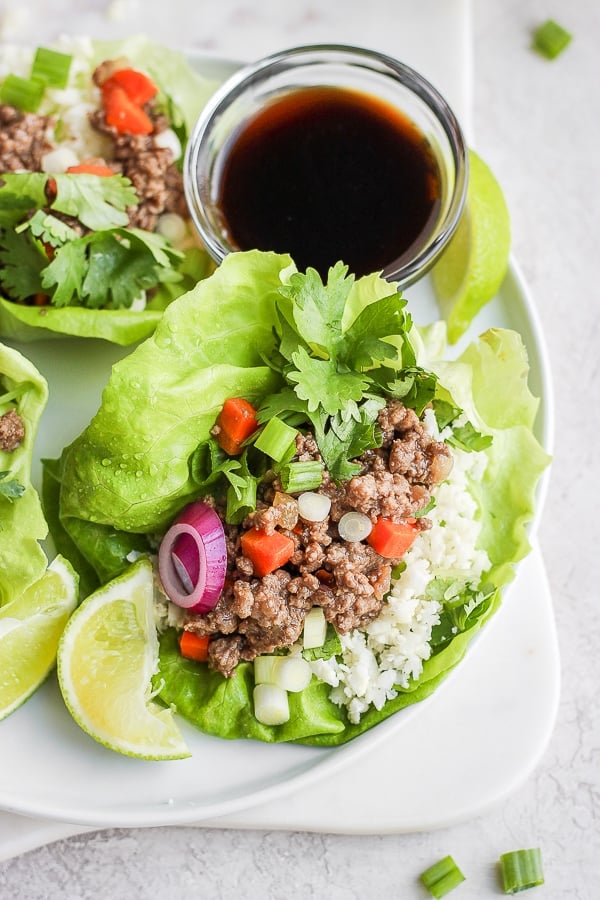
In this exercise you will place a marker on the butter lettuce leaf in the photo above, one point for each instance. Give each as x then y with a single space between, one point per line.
22 522
183 91
131 469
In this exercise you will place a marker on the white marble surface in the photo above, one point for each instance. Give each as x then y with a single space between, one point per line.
537 124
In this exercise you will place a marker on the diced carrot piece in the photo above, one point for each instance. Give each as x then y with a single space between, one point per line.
235 423
392 539
51 190
138 87
89 169
266 552
194 646
123 114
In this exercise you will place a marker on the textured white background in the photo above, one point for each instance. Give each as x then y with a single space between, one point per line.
538 125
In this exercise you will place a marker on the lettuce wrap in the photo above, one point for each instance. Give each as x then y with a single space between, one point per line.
111 282
23 392
124 479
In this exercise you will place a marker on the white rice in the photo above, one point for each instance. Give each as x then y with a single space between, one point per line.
391 650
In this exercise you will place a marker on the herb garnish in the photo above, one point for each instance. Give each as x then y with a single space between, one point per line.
10 488
108 265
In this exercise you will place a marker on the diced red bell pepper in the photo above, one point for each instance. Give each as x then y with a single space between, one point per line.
138 87
122 113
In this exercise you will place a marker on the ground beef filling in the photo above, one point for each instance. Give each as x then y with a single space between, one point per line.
349 580
12 431
23 140
150 166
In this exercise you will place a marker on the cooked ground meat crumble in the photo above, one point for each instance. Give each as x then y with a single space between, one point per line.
150 168
349 580
24 141
12 431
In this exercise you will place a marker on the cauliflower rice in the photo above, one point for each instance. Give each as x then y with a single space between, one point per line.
391 650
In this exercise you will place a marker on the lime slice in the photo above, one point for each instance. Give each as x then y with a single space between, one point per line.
30 629
472 268
106 659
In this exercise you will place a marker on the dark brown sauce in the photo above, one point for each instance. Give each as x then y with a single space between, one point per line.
327 174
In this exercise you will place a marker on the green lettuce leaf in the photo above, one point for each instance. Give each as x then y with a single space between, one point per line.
182 93
223 706
159 406
22 522
131 467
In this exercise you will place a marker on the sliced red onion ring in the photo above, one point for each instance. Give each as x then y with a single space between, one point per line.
192 559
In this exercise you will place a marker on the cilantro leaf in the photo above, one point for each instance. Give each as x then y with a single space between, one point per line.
48 229
286 405
159 248
413 385
466 437
65 273
22 260
118 271
107 268
362 343
461 607
22 191
10 489
320 383
98 202
445 412
342 439
318 308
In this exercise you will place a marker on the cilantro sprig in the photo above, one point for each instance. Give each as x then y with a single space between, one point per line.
108 265
10 488
461 607
330 361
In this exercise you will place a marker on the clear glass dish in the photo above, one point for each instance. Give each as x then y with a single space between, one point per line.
254 87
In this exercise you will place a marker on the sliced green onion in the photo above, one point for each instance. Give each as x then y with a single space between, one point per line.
52 67
550 39
313 507
292 673
301 476
442 877
271 705
22 93
277 440
289 673
521 870
315 629
264 669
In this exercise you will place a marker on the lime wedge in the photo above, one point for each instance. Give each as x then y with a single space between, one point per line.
106 659
472 268
30 629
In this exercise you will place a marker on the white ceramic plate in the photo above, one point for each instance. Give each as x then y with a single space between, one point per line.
50 768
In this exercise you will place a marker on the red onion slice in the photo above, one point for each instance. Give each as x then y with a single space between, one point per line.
192 559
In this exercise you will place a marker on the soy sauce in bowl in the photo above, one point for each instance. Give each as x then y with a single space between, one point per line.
328 153
325 173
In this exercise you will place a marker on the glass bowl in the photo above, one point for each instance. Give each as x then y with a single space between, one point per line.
372 77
